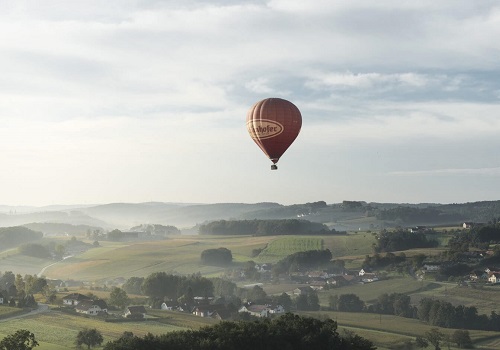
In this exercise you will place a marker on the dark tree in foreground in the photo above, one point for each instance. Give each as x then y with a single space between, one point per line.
90 337
20 340
292 332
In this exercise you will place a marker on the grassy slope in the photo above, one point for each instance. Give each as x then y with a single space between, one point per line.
386 330
181 254
61 329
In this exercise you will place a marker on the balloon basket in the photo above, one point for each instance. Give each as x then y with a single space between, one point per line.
274 167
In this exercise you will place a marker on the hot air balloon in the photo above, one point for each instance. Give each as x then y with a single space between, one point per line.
274 124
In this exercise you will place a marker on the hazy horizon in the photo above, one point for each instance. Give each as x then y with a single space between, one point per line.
143 101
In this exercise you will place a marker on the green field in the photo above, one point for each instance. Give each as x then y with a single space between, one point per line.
181 254
283 246
6 311
387 331
57 330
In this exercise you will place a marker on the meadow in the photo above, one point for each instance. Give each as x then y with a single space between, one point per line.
58 330
181 254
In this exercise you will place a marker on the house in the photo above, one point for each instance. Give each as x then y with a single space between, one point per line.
276 309
317 285
369 277
477 275
208 310
302 290
337 281
169 305
494 278
92 307
255 310
74 299
135 312
222 314
489 270
317 274
467 224
1 298
263 268
262 310
431 267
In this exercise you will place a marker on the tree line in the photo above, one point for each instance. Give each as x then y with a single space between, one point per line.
16 235
302 260
434 312
18 290
289 331
263 227
403 240
417 215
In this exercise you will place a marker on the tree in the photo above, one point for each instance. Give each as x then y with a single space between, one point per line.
313 301
284 300
133 285
421 342
285 332
90 337
256 294
19 283
350 303
462 339
434 336
221 256
20 340
118 297
60 250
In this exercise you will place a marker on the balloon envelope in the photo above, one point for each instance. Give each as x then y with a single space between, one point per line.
274 124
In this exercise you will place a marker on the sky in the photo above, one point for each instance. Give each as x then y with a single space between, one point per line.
146 100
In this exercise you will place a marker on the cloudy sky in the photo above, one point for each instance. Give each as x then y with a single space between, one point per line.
146 100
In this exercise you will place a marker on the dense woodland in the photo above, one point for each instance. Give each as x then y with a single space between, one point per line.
262 227
403 240
14 236
302 260
289 331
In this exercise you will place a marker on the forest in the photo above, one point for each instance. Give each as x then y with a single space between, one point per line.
263 227
291 332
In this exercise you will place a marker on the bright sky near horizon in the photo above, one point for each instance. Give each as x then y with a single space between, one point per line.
140 100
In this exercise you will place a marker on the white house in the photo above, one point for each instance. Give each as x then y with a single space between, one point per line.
74 299
169 305
92 307
1 298
369 277
276 309
494 278
431 267
256 310
262 310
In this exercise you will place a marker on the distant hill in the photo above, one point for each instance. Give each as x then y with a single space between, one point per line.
61 228
348 215
73 217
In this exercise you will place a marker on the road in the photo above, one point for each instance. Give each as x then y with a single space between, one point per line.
42 308
46 267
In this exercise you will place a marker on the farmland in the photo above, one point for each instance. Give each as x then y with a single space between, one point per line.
181 255
57 330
